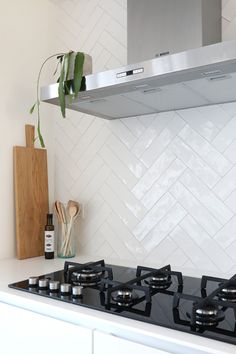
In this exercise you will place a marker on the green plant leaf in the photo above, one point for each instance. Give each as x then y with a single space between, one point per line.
78 72
32 108
61 90
67 69
66 66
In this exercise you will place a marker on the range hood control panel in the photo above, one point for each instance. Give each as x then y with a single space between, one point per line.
129 72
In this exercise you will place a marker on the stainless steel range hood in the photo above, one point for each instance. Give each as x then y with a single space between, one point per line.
196 77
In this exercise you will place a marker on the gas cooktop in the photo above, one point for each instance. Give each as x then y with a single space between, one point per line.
204 307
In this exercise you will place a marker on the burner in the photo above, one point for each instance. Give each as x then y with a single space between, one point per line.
124 297
208 316
159 281
228 293
209 310
86 277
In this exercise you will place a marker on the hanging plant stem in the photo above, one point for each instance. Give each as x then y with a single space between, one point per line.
37 103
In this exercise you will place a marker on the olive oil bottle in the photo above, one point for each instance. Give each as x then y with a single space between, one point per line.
49 238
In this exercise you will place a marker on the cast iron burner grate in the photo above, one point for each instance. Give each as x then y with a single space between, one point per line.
209 310
147 283
89 274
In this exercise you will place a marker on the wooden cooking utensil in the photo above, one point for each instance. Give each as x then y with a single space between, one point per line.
31 196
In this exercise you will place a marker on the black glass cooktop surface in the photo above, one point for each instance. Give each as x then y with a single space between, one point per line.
200 306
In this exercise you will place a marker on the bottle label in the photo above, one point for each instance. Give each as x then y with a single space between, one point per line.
49 241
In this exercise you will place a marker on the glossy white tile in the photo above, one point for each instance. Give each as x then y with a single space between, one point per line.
164 227
117 166
195 163
198 257
135 126
125 236
212 249
206 197
170 176
119 129
195 208
158 122
229 153
161 142
226 185
86 139
225 136
132 163
126 197
87 175
226 235
199 122
210 155
116 205
165 249
153 217
231 201
152 174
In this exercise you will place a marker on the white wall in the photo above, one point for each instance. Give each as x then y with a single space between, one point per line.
157 188
26 32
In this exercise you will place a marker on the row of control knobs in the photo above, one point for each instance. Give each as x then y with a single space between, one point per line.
56 286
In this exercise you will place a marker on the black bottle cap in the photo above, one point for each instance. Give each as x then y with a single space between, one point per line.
49 219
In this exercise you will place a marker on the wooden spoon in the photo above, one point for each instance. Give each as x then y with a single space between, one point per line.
57 212
62 212
73 210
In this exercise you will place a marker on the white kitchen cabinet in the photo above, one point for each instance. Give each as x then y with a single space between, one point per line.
26 332
110 344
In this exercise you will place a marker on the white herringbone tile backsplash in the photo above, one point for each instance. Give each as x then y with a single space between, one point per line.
158 188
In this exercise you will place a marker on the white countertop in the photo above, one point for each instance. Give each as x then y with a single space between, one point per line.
12 270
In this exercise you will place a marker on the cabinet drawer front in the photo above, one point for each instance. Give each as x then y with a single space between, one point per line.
107 344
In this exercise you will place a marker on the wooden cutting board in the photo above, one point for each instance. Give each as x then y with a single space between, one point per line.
31 196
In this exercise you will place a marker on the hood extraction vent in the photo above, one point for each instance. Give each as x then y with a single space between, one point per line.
195 77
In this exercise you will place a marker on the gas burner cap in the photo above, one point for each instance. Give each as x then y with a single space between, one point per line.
208 316
125 293
124 297
160 278
229 290
208 310
228 294
87 277
84 273
206 324
227 299
160 281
